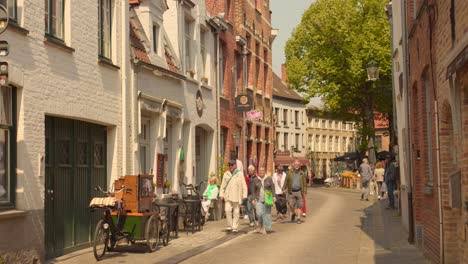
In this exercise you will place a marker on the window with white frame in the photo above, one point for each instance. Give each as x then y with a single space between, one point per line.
144 146
203 52
330 143
105 28
324 124
324 143
7 147
337 146
317 143
188 25
54 18
285 141
297 142
343 145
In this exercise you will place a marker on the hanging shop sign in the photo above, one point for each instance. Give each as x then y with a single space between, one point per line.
243 103
254 115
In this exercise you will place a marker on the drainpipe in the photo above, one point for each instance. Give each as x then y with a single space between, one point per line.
124 86
218 107
439 182
411 234
244 121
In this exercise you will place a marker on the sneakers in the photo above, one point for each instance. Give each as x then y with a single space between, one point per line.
379 197
303 215
263 231
299 221
235 231
293 217
229 229
251 224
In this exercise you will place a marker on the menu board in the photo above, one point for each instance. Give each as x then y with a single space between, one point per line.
160 170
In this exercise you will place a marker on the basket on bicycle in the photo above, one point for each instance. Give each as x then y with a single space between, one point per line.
102 202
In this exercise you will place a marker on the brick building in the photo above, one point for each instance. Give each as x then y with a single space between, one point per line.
438 48
245 65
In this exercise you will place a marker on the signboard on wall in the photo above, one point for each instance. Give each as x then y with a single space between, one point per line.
243 103
254 115
160 170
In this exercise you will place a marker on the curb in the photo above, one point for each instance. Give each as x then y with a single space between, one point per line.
202 248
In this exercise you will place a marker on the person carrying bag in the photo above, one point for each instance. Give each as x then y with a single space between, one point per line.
263 198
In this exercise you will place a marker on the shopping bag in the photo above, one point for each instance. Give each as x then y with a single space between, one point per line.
372 188
268 198
384 187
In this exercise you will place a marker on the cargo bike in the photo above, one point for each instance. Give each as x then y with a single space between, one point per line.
129 215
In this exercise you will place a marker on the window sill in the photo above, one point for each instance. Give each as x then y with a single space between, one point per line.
16 27
12 214
48 39
108 63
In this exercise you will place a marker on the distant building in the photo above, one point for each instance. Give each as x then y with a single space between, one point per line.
290 120
327 138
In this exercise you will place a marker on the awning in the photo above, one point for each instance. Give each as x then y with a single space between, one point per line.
286 161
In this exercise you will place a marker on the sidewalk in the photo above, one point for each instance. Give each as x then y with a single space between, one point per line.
187 245
383 239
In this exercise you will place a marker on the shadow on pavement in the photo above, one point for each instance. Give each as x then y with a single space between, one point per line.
386 236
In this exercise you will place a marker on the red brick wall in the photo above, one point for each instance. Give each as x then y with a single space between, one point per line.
453 142
426 204
230 119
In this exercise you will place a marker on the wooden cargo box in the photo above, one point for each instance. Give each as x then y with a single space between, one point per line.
138 193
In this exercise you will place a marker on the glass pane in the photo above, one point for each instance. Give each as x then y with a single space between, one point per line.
4 179
82 153
99 154
5 106
56 27
12 9
64 152
143 159
107 24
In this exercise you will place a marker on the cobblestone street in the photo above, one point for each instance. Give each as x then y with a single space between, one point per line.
339 228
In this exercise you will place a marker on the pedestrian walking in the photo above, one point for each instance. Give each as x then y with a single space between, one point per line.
233 191
251 173
379 177
366 175
278 179
263 197
295 184
211 193
390 180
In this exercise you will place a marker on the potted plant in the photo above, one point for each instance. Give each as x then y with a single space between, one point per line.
166 187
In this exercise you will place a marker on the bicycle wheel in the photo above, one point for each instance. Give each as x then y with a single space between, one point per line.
152 233
101 238
164 234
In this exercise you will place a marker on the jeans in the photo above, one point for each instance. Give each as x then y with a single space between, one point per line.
249 207
263 213
365 190
391 197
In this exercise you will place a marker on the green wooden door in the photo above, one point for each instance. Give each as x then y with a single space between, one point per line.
75 162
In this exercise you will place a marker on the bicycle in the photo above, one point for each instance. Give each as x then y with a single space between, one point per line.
107 233
164 231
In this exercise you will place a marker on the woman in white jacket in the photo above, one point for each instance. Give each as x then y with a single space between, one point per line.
233 191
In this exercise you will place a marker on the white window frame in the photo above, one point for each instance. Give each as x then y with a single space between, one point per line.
105 28
144 146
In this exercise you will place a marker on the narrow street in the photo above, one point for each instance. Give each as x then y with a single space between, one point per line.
339 228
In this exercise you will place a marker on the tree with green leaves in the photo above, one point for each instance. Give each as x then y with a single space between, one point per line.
328 53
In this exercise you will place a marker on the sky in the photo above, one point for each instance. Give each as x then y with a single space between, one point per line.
286 15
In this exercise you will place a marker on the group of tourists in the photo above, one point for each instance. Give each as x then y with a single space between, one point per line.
385 177
258 193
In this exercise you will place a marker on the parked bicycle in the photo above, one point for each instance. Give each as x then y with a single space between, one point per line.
113 228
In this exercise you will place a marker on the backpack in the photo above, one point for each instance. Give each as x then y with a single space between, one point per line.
281 204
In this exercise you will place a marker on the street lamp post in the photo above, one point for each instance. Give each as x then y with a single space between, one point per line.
372 75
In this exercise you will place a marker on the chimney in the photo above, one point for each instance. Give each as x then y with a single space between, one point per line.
284 75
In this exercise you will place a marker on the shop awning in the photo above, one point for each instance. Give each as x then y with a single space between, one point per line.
286 161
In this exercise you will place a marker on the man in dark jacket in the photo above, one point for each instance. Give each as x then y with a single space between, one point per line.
390 180
295 185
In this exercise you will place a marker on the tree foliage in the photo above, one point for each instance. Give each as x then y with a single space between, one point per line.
329 50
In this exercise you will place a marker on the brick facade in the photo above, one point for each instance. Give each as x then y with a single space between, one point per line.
438 115
251 23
